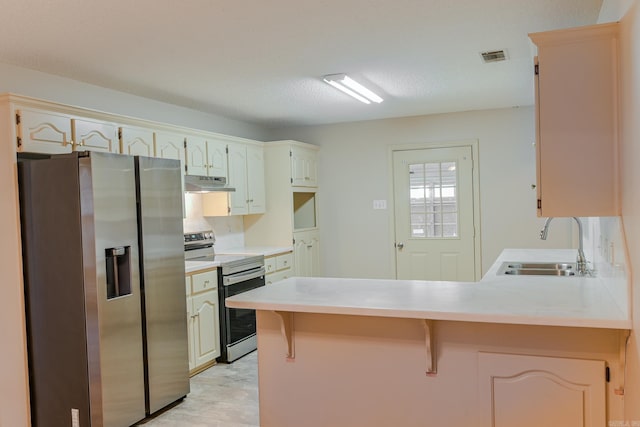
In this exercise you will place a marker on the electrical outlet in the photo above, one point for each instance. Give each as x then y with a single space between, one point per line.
379 204
75 417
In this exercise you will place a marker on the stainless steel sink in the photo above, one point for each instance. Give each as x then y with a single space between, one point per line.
542 265
516 268
539 272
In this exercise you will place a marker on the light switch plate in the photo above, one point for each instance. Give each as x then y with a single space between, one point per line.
379 204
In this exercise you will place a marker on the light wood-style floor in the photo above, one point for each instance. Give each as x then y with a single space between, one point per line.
225 395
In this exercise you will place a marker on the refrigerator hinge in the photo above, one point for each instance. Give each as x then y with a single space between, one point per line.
536 69
17 118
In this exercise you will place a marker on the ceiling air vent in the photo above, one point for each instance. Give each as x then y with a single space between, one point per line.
493 56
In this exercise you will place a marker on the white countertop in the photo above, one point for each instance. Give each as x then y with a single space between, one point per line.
532 300
193 266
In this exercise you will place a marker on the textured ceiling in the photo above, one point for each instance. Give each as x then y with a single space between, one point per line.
262 61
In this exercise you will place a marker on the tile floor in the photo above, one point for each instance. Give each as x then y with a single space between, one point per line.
225 395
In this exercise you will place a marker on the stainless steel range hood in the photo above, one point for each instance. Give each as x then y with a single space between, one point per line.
205 184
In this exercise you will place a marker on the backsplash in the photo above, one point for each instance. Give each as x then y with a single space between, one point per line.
229 230
604 247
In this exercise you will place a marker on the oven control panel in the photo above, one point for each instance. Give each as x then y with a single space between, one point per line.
200 236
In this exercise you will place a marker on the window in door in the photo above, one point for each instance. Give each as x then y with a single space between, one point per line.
433 200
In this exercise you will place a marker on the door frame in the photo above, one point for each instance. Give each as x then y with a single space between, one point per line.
475 173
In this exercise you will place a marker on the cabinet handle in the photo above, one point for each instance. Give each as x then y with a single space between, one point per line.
309 246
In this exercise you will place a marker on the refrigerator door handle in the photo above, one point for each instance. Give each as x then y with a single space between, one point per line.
118 271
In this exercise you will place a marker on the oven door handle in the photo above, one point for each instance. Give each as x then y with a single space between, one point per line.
241 277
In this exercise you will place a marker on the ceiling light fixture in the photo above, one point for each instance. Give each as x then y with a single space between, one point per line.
351 87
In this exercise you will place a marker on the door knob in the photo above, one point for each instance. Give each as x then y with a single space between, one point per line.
400 245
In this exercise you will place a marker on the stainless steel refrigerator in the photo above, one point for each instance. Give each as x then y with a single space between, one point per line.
104 277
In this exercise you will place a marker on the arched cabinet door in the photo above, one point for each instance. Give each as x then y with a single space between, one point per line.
533 391
40 131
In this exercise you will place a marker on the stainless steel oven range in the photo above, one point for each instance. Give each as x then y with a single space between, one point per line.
236 274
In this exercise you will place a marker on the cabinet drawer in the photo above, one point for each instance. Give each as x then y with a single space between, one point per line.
284 262
270 264
204 281
278 276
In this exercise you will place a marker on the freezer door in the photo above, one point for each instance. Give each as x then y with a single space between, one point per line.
163 280
112 289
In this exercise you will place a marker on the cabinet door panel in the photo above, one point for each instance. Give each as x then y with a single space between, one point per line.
238 200
137 141
255 179
307 253
190 332
304 167
95 135
217 158
533 391
196 157
206 327
44 132
170 146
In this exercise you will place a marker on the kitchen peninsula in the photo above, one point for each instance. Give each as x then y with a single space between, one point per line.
504 351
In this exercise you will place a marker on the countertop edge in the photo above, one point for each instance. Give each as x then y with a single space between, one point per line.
623 324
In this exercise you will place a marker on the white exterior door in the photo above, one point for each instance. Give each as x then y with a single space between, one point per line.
434 214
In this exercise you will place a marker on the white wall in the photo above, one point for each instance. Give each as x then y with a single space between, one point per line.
357 241
27 82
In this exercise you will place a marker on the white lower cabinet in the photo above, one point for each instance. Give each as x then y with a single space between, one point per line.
204 326
278 267
307 253
534 391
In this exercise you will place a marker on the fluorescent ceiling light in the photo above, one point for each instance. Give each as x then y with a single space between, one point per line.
351 87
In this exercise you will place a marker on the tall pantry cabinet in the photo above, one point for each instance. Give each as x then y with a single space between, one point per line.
291 217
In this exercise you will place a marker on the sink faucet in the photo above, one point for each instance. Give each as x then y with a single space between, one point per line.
581 261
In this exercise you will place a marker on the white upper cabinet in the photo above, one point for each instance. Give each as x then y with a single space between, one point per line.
255 179
206 156
137 141
246 175
304 167
40 131
170 146
577 121
95 135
